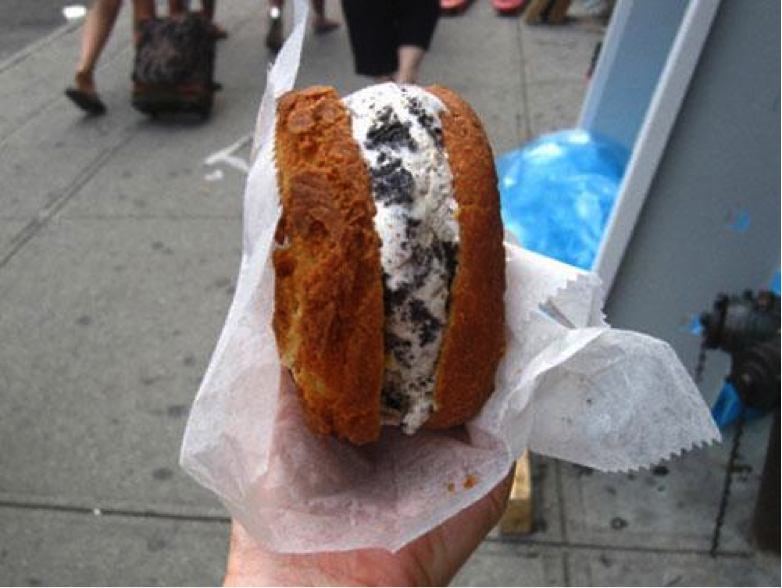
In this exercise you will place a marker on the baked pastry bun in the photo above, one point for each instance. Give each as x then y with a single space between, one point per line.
389 263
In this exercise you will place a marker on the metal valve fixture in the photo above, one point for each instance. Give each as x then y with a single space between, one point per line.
747 328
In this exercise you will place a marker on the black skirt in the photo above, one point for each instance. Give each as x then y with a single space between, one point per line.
377 28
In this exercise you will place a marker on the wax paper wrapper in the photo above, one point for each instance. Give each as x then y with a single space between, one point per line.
569 386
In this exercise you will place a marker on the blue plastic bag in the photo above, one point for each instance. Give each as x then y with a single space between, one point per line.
557 193
728 406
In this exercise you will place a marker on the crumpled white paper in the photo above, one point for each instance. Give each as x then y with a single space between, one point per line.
569 387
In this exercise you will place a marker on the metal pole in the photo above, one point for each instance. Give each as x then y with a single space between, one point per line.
765 525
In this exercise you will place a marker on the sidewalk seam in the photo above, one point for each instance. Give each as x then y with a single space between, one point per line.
28 50
44 216
560 497
525 117
625 548
153 514
115 512
47 105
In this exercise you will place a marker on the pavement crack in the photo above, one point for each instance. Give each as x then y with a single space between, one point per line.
561 500
33 48
114 512
525 116
576 546
106 62
45 215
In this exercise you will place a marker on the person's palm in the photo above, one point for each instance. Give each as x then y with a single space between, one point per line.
432 559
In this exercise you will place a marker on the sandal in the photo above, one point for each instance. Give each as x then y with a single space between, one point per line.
453 7
552 12
88 102
218 32
323 28
508 7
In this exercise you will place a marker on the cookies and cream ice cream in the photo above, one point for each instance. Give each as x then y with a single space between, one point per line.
399 133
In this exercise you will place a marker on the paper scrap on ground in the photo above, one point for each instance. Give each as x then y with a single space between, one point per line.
74 11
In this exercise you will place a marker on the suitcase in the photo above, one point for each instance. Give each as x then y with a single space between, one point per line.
174 66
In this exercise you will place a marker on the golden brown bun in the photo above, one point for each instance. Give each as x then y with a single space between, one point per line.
328 316
474 342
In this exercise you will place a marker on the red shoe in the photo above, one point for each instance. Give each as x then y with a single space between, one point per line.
453 7
508 7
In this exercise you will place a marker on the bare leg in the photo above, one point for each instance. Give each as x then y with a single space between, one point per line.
409 59
100 22
322 24
382 79
208 13
143 10
176 8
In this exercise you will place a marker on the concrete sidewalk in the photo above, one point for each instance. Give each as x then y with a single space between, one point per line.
119 245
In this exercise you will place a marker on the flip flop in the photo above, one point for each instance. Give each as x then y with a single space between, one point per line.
453 7
325 28
218 32
89 103
508 7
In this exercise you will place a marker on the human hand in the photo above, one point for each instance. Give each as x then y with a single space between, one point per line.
431 560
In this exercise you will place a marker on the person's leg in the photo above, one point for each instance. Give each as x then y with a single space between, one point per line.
143 10
417 21
97 28
176 8
322 25
274 34
410 58
208 9
208 14
373 37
